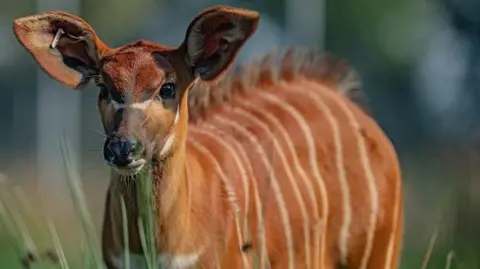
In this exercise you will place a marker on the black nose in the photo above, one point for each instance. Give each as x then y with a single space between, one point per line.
120 151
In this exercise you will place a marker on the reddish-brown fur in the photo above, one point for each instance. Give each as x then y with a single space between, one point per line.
224 118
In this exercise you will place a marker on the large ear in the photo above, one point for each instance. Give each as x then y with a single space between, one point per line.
65 46
214 38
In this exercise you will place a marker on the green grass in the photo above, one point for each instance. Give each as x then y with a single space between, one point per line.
18 239
15 209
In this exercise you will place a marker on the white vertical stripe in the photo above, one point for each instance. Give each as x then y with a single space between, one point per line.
288 170
232 196
370 177
243 176
277 190
393 234
347 208
256 195
304 126
296 163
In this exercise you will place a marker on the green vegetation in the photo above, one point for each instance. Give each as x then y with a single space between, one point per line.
22 249
20 245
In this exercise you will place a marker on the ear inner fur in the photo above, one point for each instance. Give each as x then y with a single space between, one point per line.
59 42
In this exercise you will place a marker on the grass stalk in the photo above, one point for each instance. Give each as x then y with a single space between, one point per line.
146 207
126 243
58 246
92 245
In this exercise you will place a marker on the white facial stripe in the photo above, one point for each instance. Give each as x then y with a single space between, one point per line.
144 105
140 105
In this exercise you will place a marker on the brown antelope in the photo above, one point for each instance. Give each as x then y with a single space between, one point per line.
275 166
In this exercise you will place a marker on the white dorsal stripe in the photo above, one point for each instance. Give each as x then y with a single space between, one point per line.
298 167
370 177
256 195
228 186
276 188
304 126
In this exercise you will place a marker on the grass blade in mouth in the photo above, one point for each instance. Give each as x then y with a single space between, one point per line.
125 233
146 207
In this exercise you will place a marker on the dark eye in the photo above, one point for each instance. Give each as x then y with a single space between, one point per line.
104 94
167 91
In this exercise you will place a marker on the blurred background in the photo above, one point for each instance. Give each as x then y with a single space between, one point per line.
419 61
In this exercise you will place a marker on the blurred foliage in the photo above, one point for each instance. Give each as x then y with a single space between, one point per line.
383 39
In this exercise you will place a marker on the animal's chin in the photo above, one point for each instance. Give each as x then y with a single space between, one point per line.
132 168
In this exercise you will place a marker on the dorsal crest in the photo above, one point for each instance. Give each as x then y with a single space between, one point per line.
274 67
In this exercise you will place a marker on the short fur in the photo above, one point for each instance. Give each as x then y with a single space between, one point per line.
278 163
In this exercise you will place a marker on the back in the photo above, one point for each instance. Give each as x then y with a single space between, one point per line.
316 180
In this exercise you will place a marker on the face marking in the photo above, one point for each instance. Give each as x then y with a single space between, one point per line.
171 137
137 105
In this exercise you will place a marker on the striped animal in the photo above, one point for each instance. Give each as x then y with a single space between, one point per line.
274 166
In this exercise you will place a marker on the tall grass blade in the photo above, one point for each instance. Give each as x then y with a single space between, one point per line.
92 246
146 207
126 243
58 246
25 205
450 257
143 241
11 231
19 227
429 251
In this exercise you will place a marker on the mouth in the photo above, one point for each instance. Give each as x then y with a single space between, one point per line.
130 169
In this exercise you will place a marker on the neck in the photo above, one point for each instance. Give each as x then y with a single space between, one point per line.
178 207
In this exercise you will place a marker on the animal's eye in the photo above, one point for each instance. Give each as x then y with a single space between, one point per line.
167 91
104 94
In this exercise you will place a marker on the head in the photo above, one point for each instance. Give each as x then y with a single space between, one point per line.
142 86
